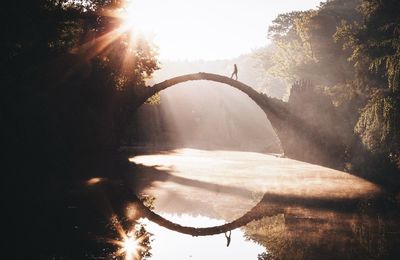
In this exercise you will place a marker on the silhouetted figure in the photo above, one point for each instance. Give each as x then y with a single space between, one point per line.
228 237
235 72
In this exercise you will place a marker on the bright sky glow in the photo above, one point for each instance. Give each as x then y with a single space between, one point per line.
208 29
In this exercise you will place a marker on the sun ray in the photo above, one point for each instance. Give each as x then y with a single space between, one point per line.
94 47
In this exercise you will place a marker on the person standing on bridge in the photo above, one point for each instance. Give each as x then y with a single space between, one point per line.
235 72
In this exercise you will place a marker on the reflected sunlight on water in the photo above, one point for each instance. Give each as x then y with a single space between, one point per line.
173 245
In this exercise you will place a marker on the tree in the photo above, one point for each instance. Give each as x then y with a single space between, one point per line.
376 52
70 79
70 73
305 48
350 49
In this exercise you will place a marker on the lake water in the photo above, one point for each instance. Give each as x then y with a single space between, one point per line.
295 210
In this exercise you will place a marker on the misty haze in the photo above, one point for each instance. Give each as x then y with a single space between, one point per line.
205 115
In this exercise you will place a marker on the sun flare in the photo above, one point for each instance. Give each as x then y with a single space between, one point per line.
139 17
182 29
130 247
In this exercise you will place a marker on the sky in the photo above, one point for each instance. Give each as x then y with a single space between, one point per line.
208 29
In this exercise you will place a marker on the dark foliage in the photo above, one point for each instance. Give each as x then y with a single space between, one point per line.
70 83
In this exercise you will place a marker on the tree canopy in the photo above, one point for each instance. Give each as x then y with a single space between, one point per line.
70 71
350 51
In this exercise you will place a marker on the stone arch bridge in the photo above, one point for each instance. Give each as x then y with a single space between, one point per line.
299 138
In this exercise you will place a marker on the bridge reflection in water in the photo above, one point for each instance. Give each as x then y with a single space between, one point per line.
292 209
175 245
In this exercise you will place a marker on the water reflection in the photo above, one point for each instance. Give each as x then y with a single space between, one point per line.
175 245
292 209
194 199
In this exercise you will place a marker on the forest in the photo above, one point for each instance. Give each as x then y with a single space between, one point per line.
349 51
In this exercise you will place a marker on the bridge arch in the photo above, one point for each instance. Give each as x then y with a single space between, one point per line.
298 138
271 107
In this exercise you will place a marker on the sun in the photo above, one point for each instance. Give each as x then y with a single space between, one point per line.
130 246
170 25
141 17
185 29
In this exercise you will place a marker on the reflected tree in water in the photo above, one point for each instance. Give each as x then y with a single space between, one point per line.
264 256
131 240
271 233
372 231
